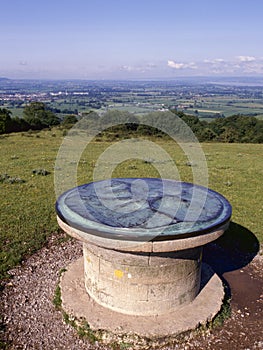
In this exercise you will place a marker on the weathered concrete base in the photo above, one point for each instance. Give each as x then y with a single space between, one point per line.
113 325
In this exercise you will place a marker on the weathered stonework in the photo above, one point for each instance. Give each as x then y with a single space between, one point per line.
142 331
141 283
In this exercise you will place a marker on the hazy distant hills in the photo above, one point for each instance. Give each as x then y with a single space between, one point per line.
192 80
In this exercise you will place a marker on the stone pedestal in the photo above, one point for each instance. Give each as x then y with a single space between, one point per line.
143 279
142 251
142 283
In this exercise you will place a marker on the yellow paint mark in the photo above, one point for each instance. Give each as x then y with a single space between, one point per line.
88 259
118 273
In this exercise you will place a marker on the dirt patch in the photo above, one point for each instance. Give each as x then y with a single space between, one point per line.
244 329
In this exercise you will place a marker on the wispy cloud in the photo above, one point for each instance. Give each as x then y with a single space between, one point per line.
177 65
214 60
246 58
127 68
138 67
218 66
237 65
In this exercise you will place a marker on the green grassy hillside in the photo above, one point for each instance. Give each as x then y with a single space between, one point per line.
27 208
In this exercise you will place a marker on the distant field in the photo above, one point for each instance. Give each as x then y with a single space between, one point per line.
137 109
16 112
27 209
226 106
135 102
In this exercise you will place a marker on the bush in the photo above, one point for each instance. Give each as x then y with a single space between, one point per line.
5 178
42 172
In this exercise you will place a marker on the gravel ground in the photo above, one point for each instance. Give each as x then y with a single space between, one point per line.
31 320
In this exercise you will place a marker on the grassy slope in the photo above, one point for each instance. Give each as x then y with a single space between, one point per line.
27 209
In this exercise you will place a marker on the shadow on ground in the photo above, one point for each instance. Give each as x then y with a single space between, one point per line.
234 250
229 253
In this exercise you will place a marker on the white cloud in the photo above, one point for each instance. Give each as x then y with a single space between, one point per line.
246 58
215 61
237 65
177 65
141 67
127 68
131 69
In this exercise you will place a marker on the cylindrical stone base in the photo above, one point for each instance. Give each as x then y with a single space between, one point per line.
142 283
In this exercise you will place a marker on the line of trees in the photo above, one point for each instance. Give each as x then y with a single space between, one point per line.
236 128
36 116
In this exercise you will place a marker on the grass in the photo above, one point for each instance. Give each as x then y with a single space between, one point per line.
27 208
83 329
223 314
235 170
57 298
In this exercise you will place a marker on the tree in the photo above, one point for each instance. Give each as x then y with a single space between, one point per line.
230 134
237 128
38 116
206 134
5 121
19 124
33 110
69 120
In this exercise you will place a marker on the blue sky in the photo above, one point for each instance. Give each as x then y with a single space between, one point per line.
136 39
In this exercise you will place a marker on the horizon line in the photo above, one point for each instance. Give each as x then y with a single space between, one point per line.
186 77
